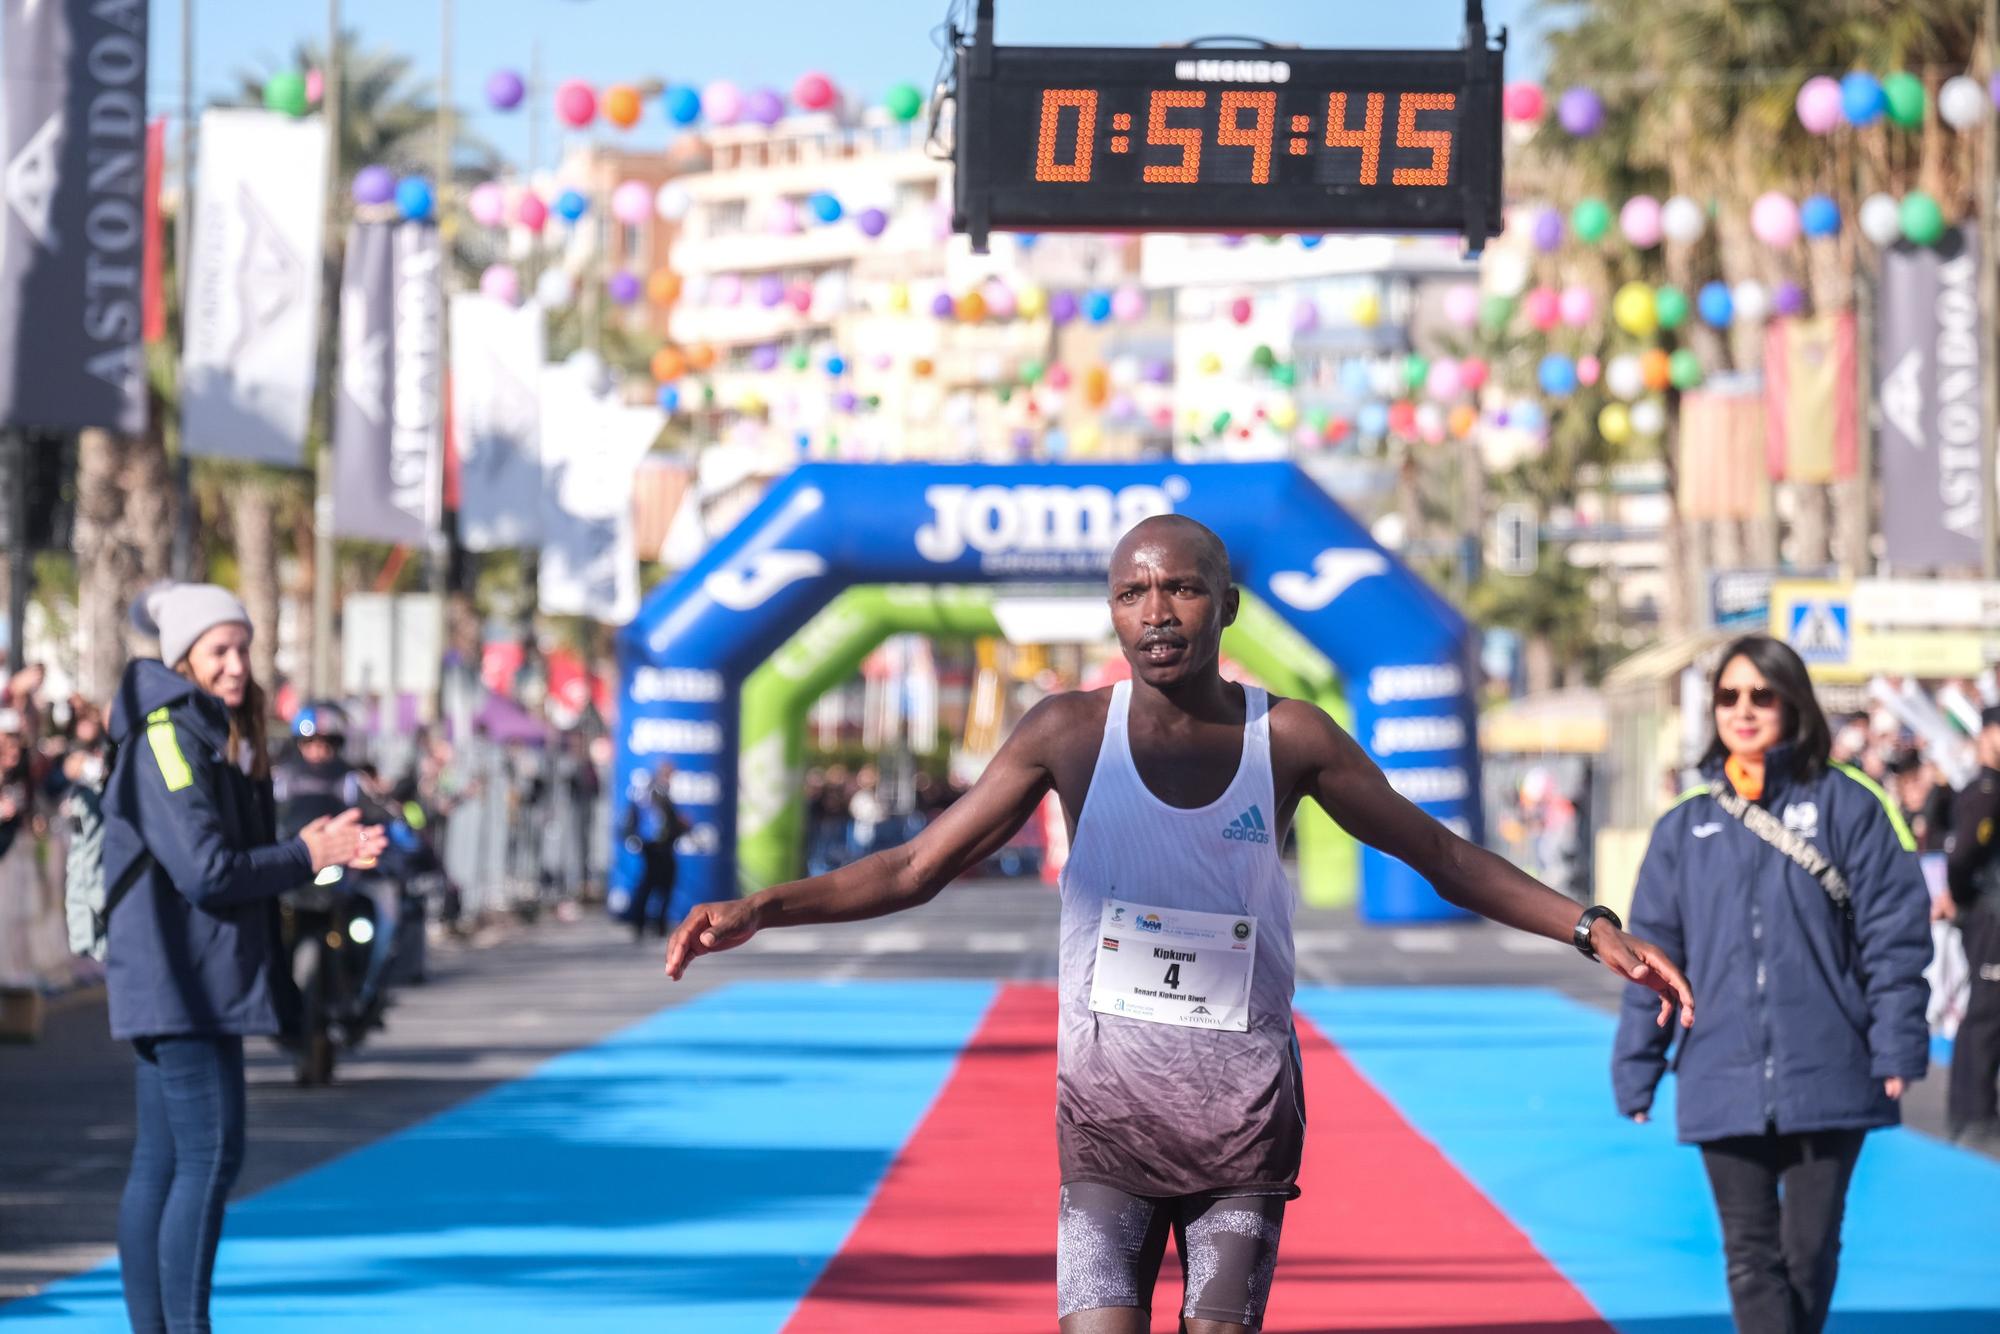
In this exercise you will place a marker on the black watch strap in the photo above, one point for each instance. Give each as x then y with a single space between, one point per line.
1581 936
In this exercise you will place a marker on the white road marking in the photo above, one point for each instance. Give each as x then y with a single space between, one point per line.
1332 942
1520 942
997 942
1424 942
894 940
789 942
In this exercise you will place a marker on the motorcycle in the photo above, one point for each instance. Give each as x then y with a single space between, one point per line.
330 931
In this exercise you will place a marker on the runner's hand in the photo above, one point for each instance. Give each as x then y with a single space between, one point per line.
1893 1086
1944 909
1643 962
710 928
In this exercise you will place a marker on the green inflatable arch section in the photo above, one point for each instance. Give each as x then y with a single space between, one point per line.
830 648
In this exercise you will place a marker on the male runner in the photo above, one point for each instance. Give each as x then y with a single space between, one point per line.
1178 1084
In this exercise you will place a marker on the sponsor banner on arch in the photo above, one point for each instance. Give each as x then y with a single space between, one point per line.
73 235
252 314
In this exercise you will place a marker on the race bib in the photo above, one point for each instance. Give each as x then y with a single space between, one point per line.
1171 966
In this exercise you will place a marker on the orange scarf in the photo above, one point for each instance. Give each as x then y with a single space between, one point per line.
1748 785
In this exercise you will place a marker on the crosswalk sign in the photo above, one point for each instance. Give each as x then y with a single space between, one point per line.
1820 630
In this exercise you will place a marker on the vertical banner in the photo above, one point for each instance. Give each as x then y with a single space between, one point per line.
152 283
496 367
252 314
1928 362
1811 417
72 230
591 447
387 434
1722 440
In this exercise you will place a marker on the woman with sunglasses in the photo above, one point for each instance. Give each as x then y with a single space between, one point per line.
1789 889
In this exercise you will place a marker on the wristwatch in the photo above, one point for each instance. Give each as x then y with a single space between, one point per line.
1581 936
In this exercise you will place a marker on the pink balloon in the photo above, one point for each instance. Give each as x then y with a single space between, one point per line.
632 203
1588 370
1443 383
1058 376
1461 304
1001 303
1640 221
315 87
1579 306
531 212
813 91
1818 105
1523 101
1472 373
1543 308
1128 304
1774 219
801 297
501 283
576 103
722 102
1241 310
727 289
784 218
487 204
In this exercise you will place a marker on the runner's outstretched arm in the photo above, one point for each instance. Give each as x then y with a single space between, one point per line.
1338 774
964 834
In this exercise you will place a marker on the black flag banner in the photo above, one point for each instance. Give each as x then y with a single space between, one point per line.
389 407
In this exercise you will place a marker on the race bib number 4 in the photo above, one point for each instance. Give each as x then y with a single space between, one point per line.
1170 966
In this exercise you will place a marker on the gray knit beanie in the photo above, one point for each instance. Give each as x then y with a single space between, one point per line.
182 613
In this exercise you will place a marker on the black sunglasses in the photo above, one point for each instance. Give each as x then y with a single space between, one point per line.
1762 697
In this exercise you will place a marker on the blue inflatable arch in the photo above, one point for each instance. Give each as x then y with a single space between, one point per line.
1404 652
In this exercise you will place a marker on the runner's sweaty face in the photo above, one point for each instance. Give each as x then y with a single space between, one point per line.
1170 599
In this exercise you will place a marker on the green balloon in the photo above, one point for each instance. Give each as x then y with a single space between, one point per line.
799 359
708 393
1684 369
1317 418
1923 220
1284 374
903 101
286 92
1220 424
1494 313
873 400
1031 372
1670 307
1904 94
1263 358
1590 219
1415 370
1005 393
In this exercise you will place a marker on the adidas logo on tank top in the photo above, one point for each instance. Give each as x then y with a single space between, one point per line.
1247 828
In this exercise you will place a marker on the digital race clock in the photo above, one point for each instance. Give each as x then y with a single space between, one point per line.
1228 140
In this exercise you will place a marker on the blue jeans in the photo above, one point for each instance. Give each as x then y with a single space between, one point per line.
188 1151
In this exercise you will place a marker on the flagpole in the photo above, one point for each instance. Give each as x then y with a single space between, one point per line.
323 677
443 543
182 559
1989 299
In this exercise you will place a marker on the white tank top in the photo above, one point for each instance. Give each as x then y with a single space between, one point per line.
1151 1108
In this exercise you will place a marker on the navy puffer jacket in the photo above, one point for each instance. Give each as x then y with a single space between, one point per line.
1800 1014
190 947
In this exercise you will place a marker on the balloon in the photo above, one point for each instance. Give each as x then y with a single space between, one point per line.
721 102
673 201
1590 219
1507 272
1684 369
1788 299
374 185
1366 310
663 288
1472 373
1461 305
1589 370
813 91
1653 369
1548 231
726 289
683 104
1903 95
414 199
1648 418
1062 308
783 219
571 205
800 296
632 203
1210 364
576 104
764 357
872 221
487 204
1305 314
1543 308
1635 310
668 397
1581 112
1430 423
1557 375
668 365
1527 416
1444 382
1774 219
1262 357
1522 102
1372 421
1579 306
942 306
622 105
1128 303
1403 417
1819 215
1682 220
315 86
1059 376
770 291
1670 305
1639 220
1881 219
1001 303
836 366
623 288
1624 377
1922 219
824 206
1416 369
1962 103
1751 301
1614 423
1818 104
701 356
1717 307
798 359
764 107
1096 386
500 282
1462 419
903 101
285 92
504 90
1311 242
1241 309
1494 312
1861 99
921 367
1032 302
1097 307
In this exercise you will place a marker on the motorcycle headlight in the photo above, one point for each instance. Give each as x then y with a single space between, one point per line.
361 930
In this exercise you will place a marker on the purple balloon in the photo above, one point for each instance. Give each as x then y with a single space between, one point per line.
770 290
1581 112
1062 308
872 221
765 107
1788 299
504 90
941 305
1993 88
624 287
764 358
374 185
1548 230
845 400
1157 371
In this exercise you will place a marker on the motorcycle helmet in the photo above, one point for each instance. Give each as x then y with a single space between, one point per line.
320 720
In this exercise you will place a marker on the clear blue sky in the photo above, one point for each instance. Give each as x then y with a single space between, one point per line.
864 45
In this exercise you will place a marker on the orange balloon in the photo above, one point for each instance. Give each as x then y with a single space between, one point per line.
663 287
668 365
1096 386
971 308
921 368
701 356
1463 418
621 105
1656 368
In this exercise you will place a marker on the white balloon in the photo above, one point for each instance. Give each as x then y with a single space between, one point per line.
1507 272
1649 417
1881 219
555 288
1751 301
1386 379
1962 102
988 368
673 201
1391 530
1683 220
1430 421
1624 378
1125 372
1197 306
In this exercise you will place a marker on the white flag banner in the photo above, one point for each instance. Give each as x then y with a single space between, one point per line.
254 286
591 446
496 368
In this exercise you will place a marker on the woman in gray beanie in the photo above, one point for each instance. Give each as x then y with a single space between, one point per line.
190 839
